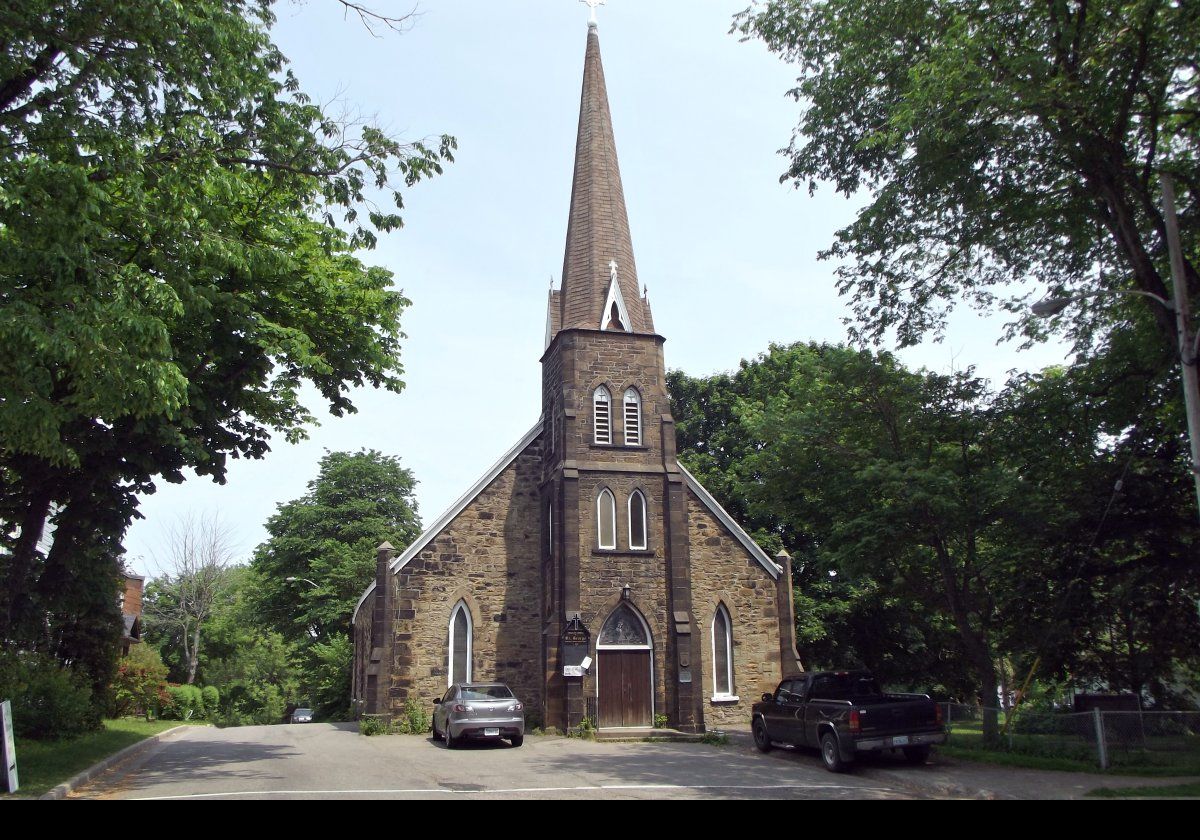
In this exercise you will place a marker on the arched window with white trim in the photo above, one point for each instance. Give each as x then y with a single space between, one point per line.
606 520
722 650
637 520
460 646
633 418
602 416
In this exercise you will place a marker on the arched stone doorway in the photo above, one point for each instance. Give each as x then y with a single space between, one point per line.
624 671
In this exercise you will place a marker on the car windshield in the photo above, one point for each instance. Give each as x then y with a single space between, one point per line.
486 692
302 712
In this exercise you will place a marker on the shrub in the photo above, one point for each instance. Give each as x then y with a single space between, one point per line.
414 721
139 683
187 703
372 725
212 700
586 730
48 700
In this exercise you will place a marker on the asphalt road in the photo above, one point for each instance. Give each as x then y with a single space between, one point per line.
332 761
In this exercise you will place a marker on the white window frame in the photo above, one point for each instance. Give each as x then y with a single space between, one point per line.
602 397
460 606
645 535
633 436
612 501
723 696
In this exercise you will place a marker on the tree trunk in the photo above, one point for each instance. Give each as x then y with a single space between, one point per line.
194 655
33 525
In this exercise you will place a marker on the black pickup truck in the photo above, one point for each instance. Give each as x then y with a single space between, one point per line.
845 713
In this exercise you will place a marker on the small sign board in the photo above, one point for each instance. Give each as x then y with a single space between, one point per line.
572 670
8 748
575 645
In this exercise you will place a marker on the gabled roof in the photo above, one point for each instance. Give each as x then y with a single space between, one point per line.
418 545
728 521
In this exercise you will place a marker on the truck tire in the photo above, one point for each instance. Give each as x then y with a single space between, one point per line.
761 739
917 755
831 754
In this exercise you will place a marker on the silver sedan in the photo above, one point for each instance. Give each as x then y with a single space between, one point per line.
478 710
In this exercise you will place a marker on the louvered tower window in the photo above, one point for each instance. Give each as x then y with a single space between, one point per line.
633 418
602 415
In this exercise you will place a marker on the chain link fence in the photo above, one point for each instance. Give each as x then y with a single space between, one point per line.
1107 739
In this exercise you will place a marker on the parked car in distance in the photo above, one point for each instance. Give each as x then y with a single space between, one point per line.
845 714
302 716
478 711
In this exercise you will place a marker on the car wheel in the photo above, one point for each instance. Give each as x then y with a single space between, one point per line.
761 739
831 755
517 740
917 755
437 736
451 741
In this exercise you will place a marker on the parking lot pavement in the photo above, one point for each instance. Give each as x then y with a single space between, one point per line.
332 761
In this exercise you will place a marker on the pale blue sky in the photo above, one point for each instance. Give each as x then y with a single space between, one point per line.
728 253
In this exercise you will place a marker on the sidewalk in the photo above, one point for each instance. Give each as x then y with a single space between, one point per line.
944 776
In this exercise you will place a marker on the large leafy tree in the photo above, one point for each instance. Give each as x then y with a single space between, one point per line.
320 556
1000 142
178 225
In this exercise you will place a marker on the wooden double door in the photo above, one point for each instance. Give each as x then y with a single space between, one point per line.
625 688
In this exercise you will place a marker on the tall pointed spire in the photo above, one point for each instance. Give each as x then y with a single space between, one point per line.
598 226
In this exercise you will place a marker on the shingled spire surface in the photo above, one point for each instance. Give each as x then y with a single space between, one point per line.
598 226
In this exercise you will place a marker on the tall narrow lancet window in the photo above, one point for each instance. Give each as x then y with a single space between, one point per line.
460 645
633 418
722 642
602 415
606 519
637 520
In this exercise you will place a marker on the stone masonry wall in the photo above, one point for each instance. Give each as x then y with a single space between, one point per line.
724 572
488 556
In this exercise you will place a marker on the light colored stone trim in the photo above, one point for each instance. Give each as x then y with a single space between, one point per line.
725 519
454 510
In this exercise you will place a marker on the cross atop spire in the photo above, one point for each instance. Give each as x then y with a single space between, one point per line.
592 4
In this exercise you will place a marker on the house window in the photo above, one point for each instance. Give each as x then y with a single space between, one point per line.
722 642
606 519
602 415
633 418
460 645
637 520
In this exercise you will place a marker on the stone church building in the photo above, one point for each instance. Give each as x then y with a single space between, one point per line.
587 569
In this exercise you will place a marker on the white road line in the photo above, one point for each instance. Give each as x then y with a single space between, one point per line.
449 792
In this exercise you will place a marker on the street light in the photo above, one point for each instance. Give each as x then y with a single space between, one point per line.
1189 346
306 580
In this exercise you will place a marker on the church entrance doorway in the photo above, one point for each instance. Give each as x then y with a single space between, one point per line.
624 671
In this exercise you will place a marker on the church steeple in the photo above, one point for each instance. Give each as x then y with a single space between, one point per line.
598 225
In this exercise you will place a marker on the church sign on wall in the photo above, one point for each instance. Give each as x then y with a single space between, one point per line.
576 641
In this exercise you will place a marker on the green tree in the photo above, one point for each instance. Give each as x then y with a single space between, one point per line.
178 224
1000 142
329 536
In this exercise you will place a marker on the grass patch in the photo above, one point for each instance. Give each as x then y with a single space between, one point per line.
1181 766
1172 791
42 765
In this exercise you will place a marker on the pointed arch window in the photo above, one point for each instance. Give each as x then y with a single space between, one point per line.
460 646
606 519
722 650
637 520
633 418
602 415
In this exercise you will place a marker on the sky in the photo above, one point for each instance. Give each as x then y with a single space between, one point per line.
729 254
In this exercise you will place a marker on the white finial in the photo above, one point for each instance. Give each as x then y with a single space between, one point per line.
612 270
592 4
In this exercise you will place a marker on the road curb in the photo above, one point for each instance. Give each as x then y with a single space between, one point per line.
79 779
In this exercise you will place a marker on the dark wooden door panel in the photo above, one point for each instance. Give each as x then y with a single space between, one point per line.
625 689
